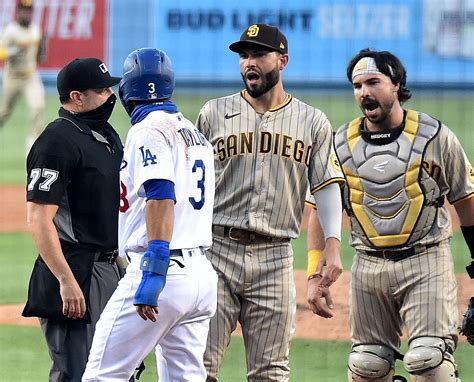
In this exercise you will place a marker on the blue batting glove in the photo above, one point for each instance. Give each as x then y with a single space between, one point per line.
149 289
154 265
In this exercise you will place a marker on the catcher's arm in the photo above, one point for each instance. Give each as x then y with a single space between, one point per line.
465 211
467 328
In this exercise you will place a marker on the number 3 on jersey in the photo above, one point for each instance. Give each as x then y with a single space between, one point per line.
199 164
197 204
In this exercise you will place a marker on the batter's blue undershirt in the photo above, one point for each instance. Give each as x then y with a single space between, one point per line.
159 189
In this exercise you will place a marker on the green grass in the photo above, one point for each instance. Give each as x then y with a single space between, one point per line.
454 110
17 254
24 357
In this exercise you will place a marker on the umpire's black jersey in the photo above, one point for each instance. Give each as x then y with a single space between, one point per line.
77 169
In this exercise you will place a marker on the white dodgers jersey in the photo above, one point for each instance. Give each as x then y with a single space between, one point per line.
167 146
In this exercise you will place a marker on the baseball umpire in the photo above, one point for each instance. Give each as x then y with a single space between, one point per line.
268 147
400 166
24 48
73 201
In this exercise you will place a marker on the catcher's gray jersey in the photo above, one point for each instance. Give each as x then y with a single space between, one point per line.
271 157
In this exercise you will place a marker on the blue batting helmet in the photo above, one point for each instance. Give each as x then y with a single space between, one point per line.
147 76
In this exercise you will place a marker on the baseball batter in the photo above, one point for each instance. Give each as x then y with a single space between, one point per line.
22 42
268 147
400 166
167 194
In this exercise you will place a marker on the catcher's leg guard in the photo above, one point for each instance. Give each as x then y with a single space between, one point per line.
374 363
428 360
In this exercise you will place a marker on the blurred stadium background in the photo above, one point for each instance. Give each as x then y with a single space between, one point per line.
433 38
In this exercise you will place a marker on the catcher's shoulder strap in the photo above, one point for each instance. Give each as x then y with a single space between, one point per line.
389 205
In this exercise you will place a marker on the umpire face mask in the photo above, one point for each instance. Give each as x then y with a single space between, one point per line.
99 116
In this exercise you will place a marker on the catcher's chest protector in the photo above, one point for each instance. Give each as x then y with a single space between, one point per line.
391 199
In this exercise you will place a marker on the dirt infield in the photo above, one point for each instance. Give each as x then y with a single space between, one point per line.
13 211
308 325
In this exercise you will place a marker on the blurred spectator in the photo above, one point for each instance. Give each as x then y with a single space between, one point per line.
23 47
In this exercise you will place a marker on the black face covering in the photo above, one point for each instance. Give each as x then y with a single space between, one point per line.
97 118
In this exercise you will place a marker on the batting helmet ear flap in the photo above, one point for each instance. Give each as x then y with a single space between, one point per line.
148 76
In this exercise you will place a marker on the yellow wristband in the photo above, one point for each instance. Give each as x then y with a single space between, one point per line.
3 54
313 258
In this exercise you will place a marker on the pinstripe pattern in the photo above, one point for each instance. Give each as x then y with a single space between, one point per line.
419 292
259 292
264 164
261 187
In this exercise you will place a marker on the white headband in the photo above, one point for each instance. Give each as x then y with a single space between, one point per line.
367 65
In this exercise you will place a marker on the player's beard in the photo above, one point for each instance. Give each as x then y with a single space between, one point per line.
385 110
268 81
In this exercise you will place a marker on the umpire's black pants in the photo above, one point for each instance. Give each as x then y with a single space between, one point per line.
69 342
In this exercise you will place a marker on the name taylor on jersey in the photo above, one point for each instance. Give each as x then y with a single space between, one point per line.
193 137
264 143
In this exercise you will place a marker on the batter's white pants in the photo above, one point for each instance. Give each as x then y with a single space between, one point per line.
122 339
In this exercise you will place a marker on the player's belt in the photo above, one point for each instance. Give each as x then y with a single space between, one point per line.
107 257
397 255
245 237
187 252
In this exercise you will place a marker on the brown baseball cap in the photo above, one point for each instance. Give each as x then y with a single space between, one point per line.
264 35
25 4
83 74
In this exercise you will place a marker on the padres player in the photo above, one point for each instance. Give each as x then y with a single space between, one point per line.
167 194
268 145
23 48
400 166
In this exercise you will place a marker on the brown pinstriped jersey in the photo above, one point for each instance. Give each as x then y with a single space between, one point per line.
263 162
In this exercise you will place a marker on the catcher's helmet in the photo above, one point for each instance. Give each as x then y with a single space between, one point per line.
147 76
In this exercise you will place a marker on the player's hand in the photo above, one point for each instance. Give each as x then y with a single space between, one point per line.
74 303
147 312
146 297
331 258
319 298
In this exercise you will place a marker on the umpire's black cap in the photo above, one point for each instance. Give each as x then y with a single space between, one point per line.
83 74
264 35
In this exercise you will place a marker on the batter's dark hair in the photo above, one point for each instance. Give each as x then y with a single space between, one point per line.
389 65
